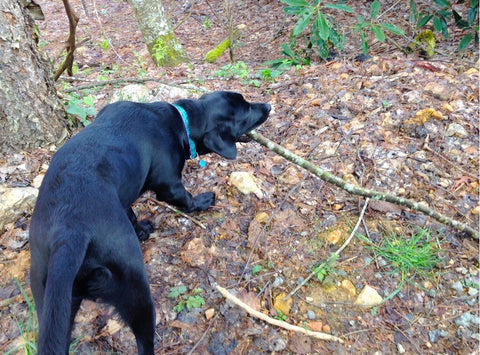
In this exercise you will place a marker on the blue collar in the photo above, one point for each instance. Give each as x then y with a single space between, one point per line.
191 143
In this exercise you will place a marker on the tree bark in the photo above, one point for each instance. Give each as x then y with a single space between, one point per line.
161 41
31 115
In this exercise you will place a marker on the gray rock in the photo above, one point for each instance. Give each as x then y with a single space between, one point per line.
311 315
467 319
14 201
456 130
457 286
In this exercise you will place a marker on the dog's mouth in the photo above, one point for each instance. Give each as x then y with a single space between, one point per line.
265 111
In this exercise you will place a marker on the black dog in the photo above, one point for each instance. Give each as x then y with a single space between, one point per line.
83 234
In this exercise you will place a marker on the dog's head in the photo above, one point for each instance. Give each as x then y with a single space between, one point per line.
227 117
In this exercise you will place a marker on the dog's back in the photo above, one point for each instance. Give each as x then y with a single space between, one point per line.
67 262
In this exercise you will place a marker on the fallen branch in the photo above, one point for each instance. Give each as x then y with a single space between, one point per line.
356 190
278 323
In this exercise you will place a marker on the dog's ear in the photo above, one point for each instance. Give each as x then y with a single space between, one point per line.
221 144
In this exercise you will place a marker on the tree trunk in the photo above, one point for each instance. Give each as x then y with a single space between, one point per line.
162 43
31 115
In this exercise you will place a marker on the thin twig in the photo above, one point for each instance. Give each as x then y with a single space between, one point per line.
203 335
164 204
264 317
312 274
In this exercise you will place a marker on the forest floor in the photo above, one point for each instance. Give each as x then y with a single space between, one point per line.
365 122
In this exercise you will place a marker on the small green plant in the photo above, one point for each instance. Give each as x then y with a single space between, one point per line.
81 108
323 30
105 44
237 70
206 22
440 15
410 255
281 316
326 267
373 25
159 50
29 329
184 299
256 269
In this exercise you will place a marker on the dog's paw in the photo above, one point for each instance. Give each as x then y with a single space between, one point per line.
204 201
143 229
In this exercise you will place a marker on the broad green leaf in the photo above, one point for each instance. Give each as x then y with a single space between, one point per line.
341 7
442 3
392 28
444 27
177 291
378 33
323 27
465 42
364 44
472 14
77 110
374 9
293 10
302 24
323 49
424 20
296 2
473 3
287 51
413 12
437 24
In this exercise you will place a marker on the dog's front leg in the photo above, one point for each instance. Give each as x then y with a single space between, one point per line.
142 228
181 198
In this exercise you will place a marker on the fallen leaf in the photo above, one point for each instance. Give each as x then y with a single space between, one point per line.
334 236
282 306
300 343
250 299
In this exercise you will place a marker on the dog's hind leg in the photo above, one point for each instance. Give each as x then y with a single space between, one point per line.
136 307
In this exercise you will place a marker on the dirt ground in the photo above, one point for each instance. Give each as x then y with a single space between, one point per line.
362 121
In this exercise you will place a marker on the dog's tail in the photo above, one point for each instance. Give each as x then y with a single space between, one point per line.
55 321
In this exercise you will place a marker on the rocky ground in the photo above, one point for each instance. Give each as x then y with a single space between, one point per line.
393 123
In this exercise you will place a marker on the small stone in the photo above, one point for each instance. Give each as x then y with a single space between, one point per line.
245 183
209 313
315 325
456 130
457 286
311 314
326 329
368 297
400 348
433 335
278 281
348 286
466 319
437 90
472 291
